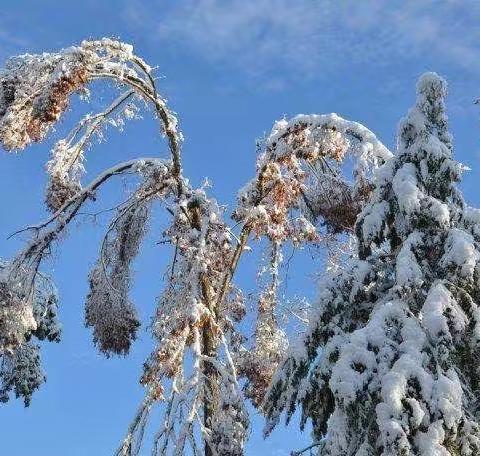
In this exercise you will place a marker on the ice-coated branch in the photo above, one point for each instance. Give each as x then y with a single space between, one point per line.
21 274
300 195
65 167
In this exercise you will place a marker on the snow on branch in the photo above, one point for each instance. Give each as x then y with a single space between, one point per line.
108 309
302 195
299 168
20 275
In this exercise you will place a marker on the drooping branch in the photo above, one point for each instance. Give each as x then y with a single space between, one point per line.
35 91
20 275
65 168
299 190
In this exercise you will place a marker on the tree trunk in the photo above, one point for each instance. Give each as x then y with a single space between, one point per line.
210 401
209 348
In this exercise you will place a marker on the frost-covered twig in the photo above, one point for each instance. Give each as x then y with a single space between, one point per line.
307 448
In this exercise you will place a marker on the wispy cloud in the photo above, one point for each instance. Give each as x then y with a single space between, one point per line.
10 40
305 37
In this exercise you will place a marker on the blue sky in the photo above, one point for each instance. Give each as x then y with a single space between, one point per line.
230 68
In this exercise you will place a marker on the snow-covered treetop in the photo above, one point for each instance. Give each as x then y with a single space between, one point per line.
388 364
423 185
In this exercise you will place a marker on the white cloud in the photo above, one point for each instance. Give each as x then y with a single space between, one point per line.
9 41
304 37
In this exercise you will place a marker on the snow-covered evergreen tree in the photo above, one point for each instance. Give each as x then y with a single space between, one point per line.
389 363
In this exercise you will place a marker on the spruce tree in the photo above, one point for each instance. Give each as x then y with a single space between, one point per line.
389 363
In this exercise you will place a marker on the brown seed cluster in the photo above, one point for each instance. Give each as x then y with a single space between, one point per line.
59 191
33 96
48 108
